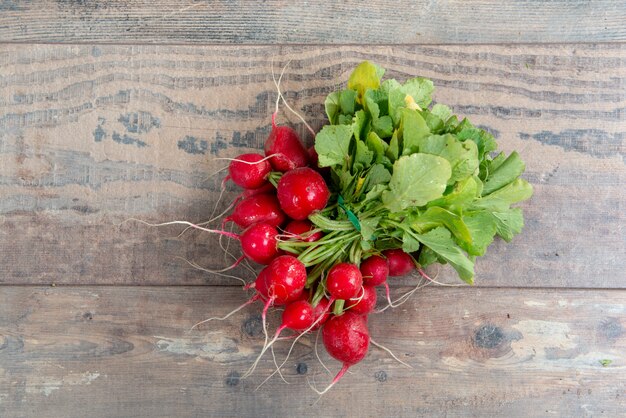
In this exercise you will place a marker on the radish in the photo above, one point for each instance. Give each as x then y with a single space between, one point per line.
344 281
266 188
286 278
301 192
250 171
255 209
258 242
298 316
346 339
283 144
366 303
260 284
282 281
400 263
375 270
285 148
301 230
377 183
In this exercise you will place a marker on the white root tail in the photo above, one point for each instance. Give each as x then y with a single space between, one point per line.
338 377
280 96
425 281
228 315
382 347
317 336
269 303
305 332
244 162
192 225
216 272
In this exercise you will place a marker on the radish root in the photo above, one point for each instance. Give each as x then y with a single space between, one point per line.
228 315
338 377
269 303
280 96
213 231
425 280
382 347
245 162
317 336
217 272
305 332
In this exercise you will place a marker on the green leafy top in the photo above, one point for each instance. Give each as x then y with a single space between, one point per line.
412 176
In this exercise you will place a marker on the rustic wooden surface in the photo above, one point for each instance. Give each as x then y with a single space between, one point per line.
93 135
353 21
97 125
126 352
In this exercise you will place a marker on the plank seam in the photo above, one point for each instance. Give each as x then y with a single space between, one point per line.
279 45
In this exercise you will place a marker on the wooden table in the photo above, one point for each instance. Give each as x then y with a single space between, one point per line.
112 109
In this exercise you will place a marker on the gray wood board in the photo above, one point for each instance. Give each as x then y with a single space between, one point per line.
126 351
272 22
91 135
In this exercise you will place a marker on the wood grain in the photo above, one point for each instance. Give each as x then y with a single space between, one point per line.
125 351
91 135
289 22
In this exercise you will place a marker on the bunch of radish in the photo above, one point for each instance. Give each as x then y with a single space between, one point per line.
282 191
391 186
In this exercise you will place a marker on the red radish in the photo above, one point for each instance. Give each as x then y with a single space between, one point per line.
260 284
301 192
255 209
267 188
301 231
346 339
250 171
258 242
366 303
298 316
286 278
321 313
285 148
374 270
400 263
344 281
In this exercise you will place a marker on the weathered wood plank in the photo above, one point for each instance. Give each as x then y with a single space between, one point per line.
275 21
92 135
126 351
